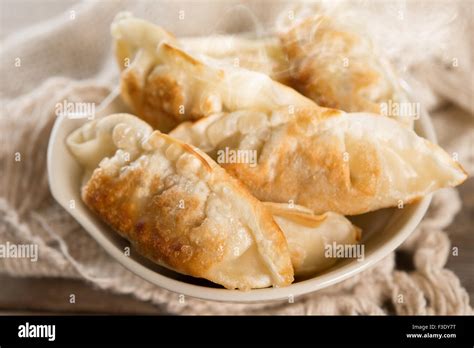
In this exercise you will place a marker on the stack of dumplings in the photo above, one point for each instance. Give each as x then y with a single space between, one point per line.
321 150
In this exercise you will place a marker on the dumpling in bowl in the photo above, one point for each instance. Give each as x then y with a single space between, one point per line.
324 60
324 159
340 69
309 236
178 207
166 85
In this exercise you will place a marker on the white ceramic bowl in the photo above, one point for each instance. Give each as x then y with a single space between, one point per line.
383 231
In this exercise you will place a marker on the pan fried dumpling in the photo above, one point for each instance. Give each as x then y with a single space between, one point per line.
325 159
339 69
305 232
180 209
308 234
323 60
166 85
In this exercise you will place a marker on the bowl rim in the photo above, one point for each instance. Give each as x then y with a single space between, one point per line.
331 277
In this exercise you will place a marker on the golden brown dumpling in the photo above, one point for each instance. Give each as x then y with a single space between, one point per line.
165 85
340 69
324 159
178 207
323 60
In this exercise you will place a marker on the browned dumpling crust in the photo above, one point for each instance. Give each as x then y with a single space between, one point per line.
180 209
165 84
322 59
325 159
340 69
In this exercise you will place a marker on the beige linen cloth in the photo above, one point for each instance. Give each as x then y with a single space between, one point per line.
70 57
